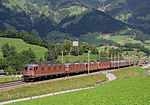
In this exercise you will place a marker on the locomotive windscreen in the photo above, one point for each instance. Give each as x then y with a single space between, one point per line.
31 68
26 68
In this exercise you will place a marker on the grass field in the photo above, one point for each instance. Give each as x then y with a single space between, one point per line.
147 42
21 46
123 18
147 46
142 71
133 52
9 78
135 58
127 91
121 39
75 10
50 87
127 72
130 72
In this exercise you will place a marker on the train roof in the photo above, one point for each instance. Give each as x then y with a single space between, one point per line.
118 61
50 63
123 61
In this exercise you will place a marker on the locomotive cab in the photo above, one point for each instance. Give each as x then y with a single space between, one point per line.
67 66
29 71
85 66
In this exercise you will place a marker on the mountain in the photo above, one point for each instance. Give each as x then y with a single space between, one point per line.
45 17
133 12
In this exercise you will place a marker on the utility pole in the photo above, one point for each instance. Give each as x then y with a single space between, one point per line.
129 62
88 62
99 56
62 56
111 57
118 59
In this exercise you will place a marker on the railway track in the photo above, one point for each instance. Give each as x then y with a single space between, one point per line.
9 85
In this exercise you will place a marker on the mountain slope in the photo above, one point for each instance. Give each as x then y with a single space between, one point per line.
133 12
42 17
95 21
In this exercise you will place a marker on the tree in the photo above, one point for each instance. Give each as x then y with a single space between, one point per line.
5 50
104 56
3 64
85 47
105 48
112 52
94 50
12 51
75 51
50 56
29 56
67 45
8 51
41 59
58 48
32 55
80 51
10 70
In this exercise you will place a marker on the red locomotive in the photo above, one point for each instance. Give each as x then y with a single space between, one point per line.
44 70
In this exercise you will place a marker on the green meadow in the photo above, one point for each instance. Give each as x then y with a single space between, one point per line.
127 91
121 39
127 72
53 86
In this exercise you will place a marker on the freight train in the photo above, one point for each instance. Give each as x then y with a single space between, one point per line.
45 70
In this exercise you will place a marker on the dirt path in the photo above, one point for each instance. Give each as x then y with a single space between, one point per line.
110 76
148 72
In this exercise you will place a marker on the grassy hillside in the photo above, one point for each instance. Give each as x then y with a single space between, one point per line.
121 39
95 38
135 52
21 46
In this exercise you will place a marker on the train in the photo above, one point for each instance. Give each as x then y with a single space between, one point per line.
38 71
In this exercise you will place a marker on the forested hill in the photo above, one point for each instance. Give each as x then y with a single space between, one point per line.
133 12
95 21
41 17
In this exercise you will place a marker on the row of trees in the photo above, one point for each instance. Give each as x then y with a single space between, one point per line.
13 61
137 46
67 49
